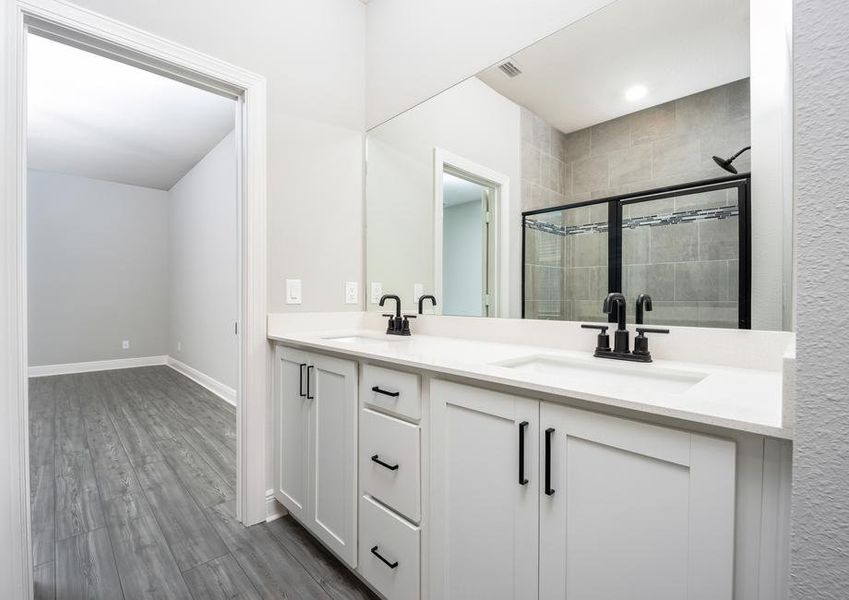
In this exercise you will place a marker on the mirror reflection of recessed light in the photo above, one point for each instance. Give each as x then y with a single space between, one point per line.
636 92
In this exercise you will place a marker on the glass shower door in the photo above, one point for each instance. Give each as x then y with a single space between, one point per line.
566 263
684 251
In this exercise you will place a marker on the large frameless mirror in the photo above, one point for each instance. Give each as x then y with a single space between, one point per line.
615 155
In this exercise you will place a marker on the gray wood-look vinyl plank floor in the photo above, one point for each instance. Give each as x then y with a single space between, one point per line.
133 476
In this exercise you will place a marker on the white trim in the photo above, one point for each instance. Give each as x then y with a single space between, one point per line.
500 209
96 365
273 509
123 42
225 392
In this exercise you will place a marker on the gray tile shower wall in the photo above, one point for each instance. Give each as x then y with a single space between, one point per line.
690 269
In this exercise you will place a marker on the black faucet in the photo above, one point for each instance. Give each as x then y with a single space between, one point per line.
422 299
621 346
620 337
397 325
643 304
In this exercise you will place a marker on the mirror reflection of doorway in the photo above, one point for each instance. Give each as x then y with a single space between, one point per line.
467 246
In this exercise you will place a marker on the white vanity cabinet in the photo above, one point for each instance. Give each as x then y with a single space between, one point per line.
484 494
632 510
534 499
438 489
315 442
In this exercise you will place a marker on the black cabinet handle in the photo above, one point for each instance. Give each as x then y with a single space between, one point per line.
383 464
522 479
385 393
549 491
309 370
301 392
391 565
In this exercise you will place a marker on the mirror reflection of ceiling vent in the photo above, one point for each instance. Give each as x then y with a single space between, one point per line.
509 68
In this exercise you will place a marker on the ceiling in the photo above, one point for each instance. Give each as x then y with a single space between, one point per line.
577 77
95 117
456 190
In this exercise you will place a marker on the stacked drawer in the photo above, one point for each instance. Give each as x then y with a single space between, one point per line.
390 481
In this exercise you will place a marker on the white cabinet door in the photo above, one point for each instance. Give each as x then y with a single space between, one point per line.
291 431
633 510
333 453
483 518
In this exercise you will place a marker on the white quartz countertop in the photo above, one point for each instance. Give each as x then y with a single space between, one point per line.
742 399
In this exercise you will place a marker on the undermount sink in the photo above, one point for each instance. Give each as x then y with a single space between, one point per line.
606 373
359 339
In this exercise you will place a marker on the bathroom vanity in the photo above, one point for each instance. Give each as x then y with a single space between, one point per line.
623 169
461 463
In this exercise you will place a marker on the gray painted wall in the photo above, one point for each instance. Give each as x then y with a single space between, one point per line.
97 269
203 266
820 542
462 259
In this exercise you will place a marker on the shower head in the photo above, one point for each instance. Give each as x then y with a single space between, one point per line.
725 163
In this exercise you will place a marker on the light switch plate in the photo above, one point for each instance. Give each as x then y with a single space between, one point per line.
418 291
376 291
352 292
293 291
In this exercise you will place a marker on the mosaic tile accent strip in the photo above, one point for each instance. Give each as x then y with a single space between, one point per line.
686 216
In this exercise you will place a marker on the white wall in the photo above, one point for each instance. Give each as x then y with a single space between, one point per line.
771 88
820 536
203 272
97 269
471 121
313 55
462 259
416 49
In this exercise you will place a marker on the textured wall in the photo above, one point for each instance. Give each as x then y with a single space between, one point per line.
820 544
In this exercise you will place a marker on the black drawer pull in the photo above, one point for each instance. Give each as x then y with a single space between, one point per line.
301 391
383 464
391 565
522 479
309 370
384 392
549 491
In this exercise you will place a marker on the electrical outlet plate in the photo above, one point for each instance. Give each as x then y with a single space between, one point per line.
125 344
352 292
418 291
376 292
293 291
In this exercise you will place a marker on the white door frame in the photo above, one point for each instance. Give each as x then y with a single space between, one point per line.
499 225
106 36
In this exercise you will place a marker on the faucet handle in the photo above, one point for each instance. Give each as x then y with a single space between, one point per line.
405 327
641 342
603 340
642 330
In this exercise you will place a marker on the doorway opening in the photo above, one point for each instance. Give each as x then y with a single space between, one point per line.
468 246
105 37
471 240
133 310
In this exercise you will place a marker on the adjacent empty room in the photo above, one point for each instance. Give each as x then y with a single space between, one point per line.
133 292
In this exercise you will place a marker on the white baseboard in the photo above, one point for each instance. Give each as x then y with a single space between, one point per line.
273 509
97 365
224 392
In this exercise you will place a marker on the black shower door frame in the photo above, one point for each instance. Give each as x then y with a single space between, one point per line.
743 183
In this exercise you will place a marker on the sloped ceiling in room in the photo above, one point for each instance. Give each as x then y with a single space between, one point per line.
578 76
98 118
